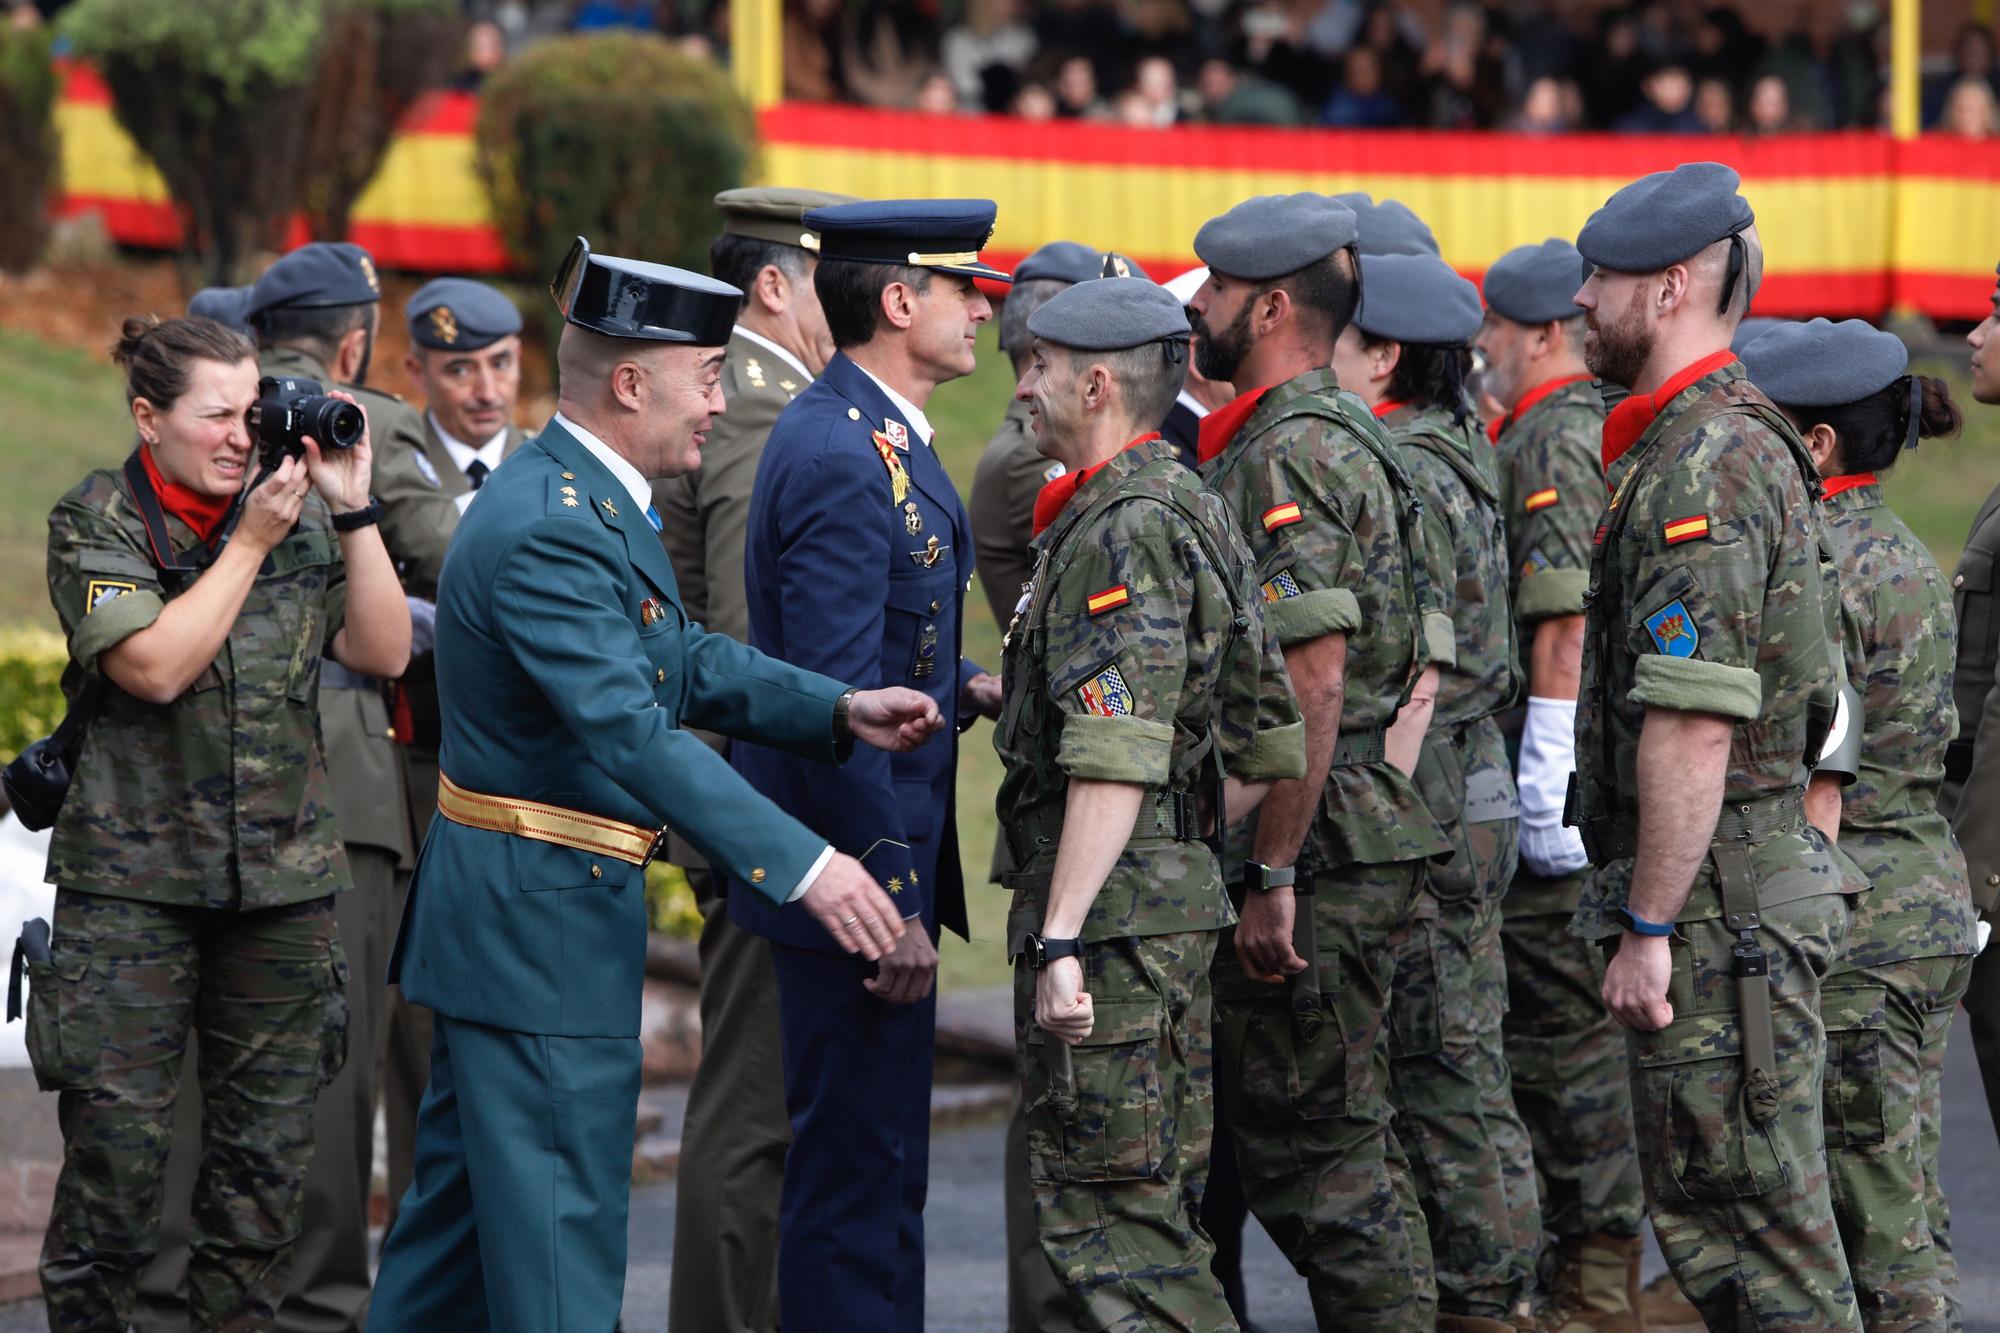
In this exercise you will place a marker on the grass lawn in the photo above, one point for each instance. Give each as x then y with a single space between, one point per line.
62 413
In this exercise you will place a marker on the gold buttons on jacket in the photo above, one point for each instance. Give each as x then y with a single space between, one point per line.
935 606
854 414
1993 879
661 675
597 872
757 875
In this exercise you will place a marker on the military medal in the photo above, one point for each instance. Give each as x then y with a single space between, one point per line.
898 433
609 508
927 643
913 522
899 480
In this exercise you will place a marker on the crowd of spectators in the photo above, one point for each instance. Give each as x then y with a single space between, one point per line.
1541 66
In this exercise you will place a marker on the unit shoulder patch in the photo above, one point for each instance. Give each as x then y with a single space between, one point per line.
1281 586
101 591
1673 630
1105 694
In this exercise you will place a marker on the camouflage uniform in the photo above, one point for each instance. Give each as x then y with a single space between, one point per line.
1566 1052
195 860
1889 1000
1449 1081
1711 591
1329 513
1139 657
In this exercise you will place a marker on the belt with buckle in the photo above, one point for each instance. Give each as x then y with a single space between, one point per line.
549 823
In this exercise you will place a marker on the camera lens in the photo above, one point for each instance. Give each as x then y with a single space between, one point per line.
333 423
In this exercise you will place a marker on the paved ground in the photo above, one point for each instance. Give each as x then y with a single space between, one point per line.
967 1283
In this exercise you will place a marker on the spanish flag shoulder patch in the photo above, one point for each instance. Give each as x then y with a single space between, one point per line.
1685 529
1542 499
1278 516
1109 600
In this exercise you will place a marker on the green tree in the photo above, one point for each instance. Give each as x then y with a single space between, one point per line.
619 137
217 94
28 148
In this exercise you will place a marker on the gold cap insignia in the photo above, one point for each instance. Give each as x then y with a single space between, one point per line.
609 508
568 490
368 272
444 324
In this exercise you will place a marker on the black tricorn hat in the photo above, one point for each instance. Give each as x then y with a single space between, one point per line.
630 298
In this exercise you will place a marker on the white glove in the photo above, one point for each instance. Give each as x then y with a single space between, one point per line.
1548 757
423 625
1985 934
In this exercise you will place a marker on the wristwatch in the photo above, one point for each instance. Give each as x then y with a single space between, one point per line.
356 519
1639 925
1261 878
1040 951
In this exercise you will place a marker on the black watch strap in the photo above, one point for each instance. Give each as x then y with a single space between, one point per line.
356 519
1042 951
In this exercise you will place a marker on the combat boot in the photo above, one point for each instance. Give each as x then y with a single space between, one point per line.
1597 1286
1666 1310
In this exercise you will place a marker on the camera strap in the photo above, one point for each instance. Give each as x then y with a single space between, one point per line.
176 568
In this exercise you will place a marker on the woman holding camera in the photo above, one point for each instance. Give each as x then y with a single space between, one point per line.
195 857
1888 1000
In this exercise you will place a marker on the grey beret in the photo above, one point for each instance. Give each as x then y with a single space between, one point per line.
224 305
1416 299
1274 234
1107 314
1751 329
1663 218
1533 284
1073 261
459 315
1823 364
314 276
1388 228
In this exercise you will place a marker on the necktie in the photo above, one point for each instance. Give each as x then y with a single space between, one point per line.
475 472
653 517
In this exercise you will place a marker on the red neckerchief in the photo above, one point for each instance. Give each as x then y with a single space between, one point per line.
1833 486
1386 406
1628 421
1219 427
203 513
1055 496
1498 426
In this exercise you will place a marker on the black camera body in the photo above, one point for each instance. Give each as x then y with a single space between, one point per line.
287 410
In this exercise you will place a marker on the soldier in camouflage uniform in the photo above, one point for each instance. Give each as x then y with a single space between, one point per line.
1330 515
1567 1055
1404 355
1143 690
1889 1000
1708 625
196 855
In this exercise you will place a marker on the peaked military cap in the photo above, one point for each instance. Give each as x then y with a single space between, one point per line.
1107 314
224 305
773 212
318 274
630 298
1416 299
1751 329
459 315
941 234
1274 234
1822 364
1388 228
1533 284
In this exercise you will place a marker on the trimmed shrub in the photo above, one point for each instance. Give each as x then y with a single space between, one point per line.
217 94
31 697
619 137
28 147
376 58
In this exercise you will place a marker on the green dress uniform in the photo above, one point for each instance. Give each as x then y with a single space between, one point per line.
1139 655
1449 1078
195 861
1889 1000
1329 513
1571 1083
1711 592
1011 473
736 1132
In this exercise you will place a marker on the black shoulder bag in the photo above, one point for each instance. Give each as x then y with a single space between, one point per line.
38 779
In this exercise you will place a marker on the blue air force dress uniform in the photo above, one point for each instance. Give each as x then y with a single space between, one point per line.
567 669
858 557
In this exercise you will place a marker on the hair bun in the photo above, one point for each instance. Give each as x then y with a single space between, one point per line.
130 335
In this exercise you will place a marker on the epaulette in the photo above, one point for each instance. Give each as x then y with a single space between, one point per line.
564 497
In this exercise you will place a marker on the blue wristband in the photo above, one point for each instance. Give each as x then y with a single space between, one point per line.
1639 925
